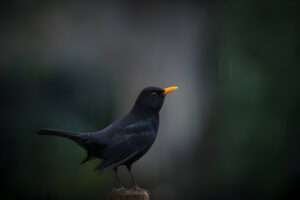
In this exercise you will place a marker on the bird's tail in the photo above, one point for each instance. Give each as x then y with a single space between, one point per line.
77 138
65 134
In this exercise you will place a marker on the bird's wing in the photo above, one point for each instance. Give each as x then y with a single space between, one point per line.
129 142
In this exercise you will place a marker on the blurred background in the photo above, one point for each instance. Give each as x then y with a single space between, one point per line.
230 132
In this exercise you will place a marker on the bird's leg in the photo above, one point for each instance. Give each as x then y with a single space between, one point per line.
135 186
118 183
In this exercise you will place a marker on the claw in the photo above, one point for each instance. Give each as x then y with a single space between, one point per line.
137 188
119 189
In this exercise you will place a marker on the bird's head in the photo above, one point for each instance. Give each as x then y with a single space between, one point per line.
151 99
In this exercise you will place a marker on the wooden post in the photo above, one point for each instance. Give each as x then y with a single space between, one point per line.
129 194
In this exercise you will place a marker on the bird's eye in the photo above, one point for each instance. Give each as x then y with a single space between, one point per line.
153 93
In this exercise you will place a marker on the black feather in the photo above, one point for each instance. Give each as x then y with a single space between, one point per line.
125 140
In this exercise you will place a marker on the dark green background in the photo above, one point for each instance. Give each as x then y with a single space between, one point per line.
250 145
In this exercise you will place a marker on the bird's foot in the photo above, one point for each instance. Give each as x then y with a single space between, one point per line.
137 188
119 189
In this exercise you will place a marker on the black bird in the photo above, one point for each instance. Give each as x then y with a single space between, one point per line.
125 140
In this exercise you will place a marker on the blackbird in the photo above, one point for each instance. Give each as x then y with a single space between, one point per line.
125 140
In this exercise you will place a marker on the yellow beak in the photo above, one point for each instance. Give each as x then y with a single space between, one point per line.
169 90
